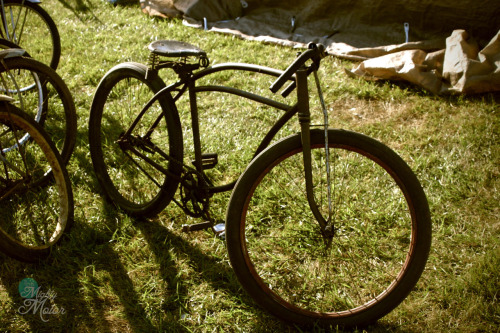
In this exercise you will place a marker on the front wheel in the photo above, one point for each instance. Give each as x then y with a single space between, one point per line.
33 217
349 277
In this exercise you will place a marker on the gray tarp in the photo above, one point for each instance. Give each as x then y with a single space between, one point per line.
367 29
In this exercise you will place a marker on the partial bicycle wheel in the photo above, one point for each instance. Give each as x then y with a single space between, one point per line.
33 218
138 169
7 44
379 215
28 25
43 94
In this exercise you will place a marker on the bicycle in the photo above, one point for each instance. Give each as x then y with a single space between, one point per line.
35 213
26 24
39 91
324 227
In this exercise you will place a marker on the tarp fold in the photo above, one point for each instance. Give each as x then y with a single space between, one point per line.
459 68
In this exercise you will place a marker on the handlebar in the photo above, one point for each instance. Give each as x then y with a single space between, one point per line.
314 52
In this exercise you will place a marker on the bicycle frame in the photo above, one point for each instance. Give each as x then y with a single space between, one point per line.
187 82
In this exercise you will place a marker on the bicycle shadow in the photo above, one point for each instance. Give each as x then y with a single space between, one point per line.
73 275
217 273
80 8
88 275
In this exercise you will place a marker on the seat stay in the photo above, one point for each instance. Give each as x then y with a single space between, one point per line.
155 98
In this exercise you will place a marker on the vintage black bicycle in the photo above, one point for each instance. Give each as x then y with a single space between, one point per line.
325 226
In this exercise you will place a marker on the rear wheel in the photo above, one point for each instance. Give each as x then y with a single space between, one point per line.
351 277
139 172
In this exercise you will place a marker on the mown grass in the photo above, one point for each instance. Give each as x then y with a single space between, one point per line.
116 274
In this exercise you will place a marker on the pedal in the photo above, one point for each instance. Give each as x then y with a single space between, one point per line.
220 230
208 161
197 226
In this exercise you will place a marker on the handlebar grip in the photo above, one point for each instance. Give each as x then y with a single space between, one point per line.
287 74
315 52
292 85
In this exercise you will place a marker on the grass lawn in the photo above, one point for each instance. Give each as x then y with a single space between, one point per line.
115 274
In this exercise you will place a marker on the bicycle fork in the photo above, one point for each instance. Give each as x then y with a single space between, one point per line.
304 114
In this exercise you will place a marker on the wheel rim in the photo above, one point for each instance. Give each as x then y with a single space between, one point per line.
34 215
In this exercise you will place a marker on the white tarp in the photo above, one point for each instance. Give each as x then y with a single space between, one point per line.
461 67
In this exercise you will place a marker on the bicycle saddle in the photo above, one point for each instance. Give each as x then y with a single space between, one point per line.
172 48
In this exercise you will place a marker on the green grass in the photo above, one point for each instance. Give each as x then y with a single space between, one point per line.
116 274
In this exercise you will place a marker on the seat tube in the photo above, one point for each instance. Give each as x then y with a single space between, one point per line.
195 125
304 114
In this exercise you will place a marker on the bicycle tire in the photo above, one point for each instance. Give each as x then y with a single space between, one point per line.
382 231
131 183
39 36
34 218
7 44
58 111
